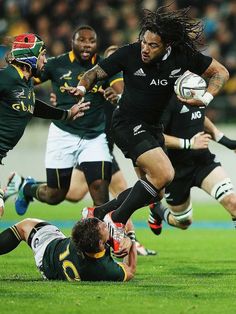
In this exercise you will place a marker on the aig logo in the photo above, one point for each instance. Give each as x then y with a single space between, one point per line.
196 115
158 82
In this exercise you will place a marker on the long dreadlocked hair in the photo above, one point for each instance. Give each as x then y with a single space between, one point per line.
175 28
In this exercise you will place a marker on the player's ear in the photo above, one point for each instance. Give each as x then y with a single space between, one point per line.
101 245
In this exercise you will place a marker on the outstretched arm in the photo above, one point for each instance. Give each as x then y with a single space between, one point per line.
87 80
198 141
43 110
217 135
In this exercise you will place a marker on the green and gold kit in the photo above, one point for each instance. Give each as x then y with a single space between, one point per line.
66 70
17 101
62 262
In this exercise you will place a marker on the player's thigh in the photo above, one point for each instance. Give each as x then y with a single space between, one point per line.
25 226
62 149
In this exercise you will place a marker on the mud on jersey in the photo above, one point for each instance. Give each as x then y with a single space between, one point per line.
65 70
62 262
149 87
17 102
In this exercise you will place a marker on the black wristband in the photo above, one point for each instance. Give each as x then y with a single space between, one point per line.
231 144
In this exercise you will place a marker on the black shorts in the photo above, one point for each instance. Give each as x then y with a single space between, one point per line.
188 176
134 137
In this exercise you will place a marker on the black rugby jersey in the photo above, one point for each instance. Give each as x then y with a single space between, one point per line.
184 121
149 87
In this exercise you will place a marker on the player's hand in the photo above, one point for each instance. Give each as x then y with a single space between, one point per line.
73 91
124 248
111 95
78 110
200 140
53 99
198 100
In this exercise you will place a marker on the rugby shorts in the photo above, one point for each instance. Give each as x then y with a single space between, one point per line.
188 176
134 137
40 240
65 150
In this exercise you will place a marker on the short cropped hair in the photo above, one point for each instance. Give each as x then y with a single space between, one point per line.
82 27
86 235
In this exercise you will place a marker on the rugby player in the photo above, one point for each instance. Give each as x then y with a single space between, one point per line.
194 165
85 255
168 46
69 143
26 59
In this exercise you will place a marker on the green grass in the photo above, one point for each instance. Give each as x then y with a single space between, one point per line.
194 272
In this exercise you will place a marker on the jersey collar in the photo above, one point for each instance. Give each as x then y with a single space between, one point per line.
96 255
19 71
72 57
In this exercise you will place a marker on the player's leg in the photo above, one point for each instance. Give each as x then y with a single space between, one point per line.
11 237
59 161
178 212
218 184
95 161
78 186
118 183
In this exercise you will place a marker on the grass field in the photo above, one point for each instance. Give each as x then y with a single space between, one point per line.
194 271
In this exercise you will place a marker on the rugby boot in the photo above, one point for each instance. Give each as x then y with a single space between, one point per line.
22 201
116 231
87 212
14 183
154 220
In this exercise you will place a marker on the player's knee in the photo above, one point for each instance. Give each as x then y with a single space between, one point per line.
183 219
55 196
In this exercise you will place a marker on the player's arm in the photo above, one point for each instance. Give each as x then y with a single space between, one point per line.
129 262
198 141
217 135
45 111
87 81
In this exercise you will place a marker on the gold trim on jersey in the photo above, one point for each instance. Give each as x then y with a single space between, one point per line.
71 56
16 232
103 166
116 80
96 255
123 267
58 179
18 70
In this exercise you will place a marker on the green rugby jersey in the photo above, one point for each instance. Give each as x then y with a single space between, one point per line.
17 102
65 70
61 262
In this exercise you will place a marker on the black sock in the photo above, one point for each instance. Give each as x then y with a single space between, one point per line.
102 210
31 189
9 240
140 195
162 211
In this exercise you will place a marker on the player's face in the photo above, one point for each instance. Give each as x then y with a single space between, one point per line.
41 61
84 44
152 47
103 232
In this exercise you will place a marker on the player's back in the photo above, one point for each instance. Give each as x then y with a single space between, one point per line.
61 261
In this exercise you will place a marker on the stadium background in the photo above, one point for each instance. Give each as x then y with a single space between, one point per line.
116 22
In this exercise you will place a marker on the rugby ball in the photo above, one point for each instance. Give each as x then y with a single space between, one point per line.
187 82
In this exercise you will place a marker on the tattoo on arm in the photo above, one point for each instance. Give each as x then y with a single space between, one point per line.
216 82
92 76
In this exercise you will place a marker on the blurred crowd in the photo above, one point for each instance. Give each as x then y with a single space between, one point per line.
117 22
